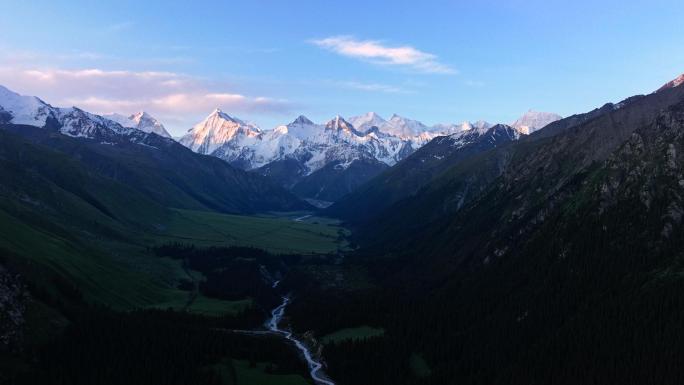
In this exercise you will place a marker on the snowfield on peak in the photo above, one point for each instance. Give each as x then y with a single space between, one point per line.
141 121
78 123
27 110
366 121
676 82
216 130
367 137
533 121
313 145
295 150
403 127
71 121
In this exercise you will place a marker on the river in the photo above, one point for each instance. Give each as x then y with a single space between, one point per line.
315 367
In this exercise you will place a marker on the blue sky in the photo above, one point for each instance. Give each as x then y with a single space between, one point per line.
269 61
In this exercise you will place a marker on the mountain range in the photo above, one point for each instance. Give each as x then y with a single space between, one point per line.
319 162
407 177
327 161
141 121
159 167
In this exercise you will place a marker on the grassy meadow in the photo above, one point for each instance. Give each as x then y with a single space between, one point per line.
120 271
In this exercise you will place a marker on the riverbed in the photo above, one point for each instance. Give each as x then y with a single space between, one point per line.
315 366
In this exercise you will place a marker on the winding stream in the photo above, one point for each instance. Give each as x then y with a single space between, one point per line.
315 367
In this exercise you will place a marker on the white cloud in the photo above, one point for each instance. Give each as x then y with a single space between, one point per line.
180 98
372 87
375 52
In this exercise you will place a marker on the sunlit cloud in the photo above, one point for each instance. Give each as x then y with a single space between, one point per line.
375 52
163 94
184 102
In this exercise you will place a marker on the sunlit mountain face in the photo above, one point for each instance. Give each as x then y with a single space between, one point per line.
235 193
319 156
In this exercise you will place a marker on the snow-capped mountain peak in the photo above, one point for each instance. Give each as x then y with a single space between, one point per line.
309 147
339 124
122 119
532 121
481 124
301 128
366 121
215 130
148 123
28 110
218 114
676 82
301 121
403 127
141 121
82 124
453 129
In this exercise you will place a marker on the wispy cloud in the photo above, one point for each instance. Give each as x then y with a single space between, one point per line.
28 58
371 87
164 94
376 52
192 103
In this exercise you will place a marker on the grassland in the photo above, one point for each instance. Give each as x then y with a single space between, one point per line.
279 233
107 275
119 272
294 232
358 333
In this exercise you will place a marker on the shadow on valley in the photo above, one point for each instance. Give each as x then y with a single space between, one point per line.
63 339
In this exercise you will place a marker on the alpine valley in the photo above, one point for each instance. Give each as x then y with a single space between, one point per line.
357 251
